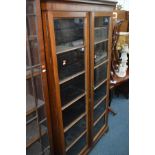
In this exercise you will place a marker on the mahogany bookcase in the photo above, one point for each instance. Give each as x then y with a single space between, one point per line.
69 49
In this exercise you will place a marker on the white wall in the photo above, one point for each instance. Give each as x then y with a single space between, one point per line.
124 3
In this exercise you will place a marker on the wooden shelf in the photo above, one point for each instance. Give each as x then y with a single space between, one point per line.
100 102
73 101
100 41
102 27
71 77
100 84
64 49
96 66
37 149
32 133
102 130
82 134
99 118
30 14
30 104
34 149
74 122
35 72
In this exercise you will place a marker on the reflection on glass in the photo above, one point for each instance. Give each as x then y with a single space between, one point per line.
30 6
74 111
30 97
41 113
70 63
72 89
101 21
101 34
73 133
32 132
30 100
34 51
34 149
68 33
31 25
100 74
99 93
38 87
99 110
44 140
78 146
27 58
101 51
98 126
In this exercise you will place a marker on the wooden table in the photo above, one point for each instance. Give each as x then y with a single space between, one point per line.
118 81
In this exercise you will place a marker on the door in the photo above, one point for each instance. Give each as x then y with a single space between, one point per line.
100 47
38 130
67 54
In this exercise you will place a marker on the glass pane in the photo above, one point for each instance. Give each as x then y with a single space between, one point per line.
32 132
100 74
72 134
101 51
30 116
100 92
101 21
34 51
44 141
30 99
70 63
38 89
79 145
31 25
74 111
68 33
30 7
101 34
34 149
98 126
27 57
72 89
36 131
99 110
41 113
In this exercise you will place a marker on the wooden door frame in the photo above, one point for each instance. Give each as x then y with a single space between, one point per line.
92 19
44 72
53 78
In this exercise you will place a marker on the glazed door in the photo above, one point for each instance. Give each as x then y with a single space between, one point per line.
69 56
38 130
100 58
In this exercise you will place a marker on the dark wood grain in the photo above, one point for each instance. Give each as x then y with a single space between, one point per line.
92 73
109 64
56 6
72 9
53 83
44 73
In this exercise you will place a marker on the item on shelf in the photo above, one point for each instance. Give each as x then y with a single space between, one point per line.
77 42
100 56
122 68
101 34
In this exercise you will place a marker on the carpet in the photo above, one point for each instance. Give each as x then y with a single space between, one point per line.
116 140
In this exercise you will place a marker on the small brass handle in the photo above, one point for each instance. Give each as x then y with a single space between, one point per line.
43 68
